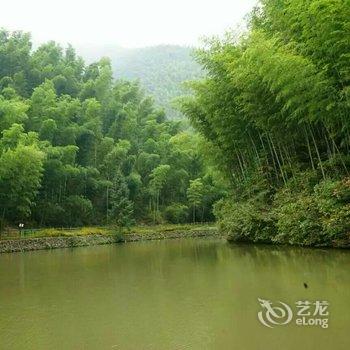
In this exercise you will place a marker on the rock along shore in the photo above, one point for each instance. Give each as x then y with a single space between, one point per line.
26 244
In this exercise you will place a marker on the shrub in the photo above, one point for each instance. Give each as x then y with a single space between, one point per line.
307 213
317 217
78 209
244 221
297 219
176 213
153 218
333 200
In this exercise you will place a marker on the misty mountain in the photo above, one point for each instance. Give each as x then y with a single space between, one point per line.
160 69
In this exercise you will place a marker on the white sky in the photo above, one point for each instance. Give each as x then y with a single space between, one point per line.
128 23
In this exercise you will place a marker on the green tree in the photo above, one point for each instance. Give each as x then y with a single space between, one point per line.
158 179
273 109
78 210
195 195
99 147
20 175
121 208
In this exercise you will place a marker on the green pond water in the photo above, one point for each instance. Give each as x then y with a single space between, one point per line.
176 294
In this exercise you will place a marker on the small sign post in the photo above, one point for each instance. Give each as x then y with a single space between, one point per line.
20 227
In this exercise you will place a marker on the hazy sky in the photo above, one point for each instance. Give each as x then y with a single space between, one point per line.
128 23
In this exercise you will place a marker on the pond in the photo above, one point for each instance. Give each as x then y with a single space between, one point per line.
175 294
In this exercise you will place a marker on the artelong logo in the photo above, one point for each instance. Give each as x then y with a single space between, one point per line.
308 313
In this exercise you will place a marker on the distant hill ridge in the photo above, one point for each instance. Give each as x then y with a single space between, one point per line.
161 69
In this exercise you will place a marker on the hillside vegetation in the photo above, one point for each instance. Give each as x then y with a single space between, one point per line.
161 70
275 107
78 147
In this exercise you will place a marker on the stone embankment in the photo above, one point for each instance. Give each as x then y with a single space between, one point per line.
25 244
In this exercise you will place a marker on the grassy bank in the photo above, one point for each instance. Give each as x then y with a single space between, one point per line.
92 236
101 230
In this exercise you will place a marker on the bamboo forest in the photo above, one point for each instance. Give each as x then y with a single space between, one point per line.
80 148
275 108
175 175
266 154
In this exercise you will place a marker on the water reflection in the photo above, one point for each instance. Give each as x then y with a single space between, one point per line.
180 294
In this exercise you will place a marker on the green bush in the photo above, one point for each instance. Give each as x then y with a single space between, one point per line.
244 221
176 213
153 218
307 215
317 217
297 219
79 210
333 200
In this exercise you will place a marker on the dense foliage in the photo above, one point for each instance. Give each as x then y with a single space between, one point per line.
275 106
78 147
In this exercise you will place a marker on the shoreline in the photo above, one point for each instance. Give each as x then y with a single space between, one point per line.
16 245
46 243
